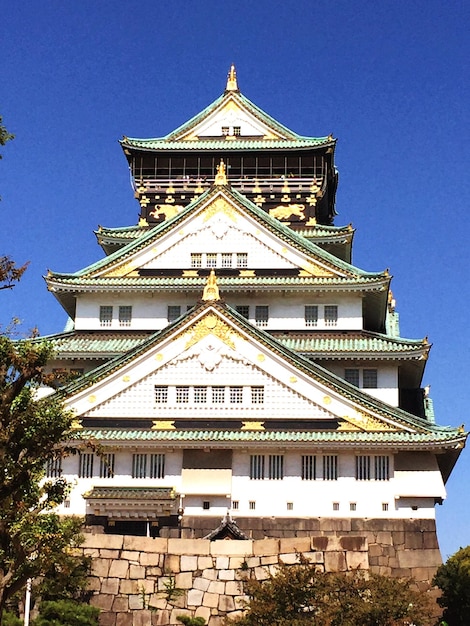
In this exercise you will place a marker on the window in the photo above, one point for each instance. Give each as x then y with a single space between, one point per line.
235 505
384 506
161 394
196 259
256 467
225 130
125 315
218 395
311 315
276 466
330 467
363 468
382 467
211 259
352 506
331 315
290 506
335 506
369 379
54 468
139 466
237 131
173 313
257 395
352 376
236 395
200 395
157 466
261 315
242 259
226 259
182 395
85 465
206 505
107 465
106 315
244 310
252 505
309 467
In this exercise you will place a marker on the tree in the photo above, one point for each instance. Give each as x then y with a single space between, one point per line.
300 594
453 579
4 134
66 613
10 273
33 432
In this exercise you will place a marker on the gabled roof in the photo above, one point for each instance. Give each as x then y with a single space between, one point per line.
203 131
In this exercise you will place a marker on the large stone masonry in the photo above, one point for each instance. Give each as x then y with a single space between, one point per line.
139 581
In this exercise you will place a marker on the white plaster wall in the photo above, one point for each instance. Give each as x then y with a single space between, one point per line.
387 377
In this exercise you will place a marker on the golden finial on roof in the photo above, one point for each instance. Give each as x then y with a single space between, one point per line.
221 176
211 290
232 79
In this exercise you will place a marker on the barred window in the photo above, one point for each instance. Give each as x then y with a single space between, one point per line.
200 395
257 395
363 468
196 259
107 465
261 315
182 395
369 379
235 505
85 465
331 315
256 467
173 312
311 315
242 259
226 259
218 395
330 467
236 395
252 505
206 505
161 394
139 466
237 130
351 375
290 506
384 506
157 466
276 466
309 467
335 506
381 467
225 130
54 467
352 506
125 315
244 310
211 259
106 315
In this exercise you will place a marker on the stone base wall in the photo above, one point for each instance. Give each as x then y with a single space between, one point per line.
139 581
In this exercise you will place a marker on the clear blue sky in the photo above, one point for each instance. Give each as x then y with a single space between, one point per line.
390 79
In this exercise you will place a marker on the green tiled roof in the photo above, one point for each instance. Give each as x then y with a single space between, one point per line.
131 493
438 437
92 345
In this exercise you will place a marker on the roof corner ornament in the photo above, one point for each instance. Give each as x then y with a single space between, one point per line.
221 176
211 290
232 79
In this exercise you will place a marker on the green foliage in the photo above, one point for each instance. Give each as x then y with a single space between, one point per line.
453 579
300 594
171 590
191 621
32 433
10 619
4 134
66 613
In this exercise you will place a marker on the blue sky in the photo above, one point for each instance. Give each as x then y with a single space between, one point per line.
390 79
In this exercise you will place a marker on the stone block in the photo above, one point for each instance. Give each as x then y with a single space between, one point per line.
339 525
110 585
261 573
189 546
233 588
100 567
184 580
124 619
357 560
119 568
297 544
398 537
130 555
136 602
201 583
255 561
315 557
210 574
142 618
109 554
430 541
157 602
154 572
204 562
94 553
241 602
423 574
210 600
375 550
216 586
354 543
335 562
172 564
120 604
232 548
188 563
289 558
226 604
145 544
236 562
127 586
103 542
160 618
265 547
107 619
102 601
174 615
221 562
195 597
94 583
204 612
217 620
136 572
150 558
269 560
227 574
146 585
419 558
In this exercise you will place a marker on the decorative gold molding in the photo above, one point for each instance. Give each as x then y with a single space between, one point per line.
252 426
210 324
220 205
211 290
163 425
366 422
232 84
76 424
221 176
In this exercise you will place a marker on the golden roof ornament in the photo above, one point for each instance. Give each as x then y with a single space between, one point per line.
211 290
221 176
232 79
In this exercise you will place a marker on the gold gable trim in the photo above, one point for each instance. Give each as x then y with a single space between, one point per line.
362 421
210 324
220 206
